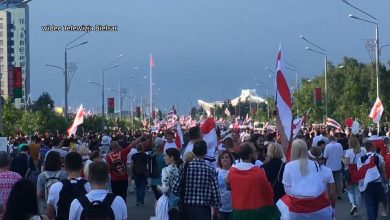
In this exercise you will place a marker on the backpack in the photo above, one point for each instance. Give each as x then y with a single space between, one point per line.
154 172
68 193
50 180
140 168
118 167
97 210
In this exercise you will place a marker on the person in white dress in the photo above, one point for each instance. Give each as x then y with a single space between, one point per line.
168 200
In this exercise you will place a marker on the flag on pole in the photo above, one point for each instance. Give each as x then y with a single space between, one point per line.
333 123
283 104
227 112
376 111
151 61
78 120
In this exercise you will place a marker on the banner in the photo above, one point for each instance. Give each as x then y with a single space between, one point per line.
138 112
111 105
17 83
317 96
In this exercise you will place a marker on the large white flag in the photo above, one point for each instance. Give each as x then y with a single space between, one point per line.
376 111
78 120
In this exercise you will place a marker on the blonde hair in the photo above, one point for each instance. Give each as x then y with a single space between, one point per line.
299 152
188 157
275 150
354 144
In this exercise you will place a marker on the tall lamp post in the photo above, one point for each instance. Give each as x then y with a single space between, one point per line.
377 48
322 52
121 92
69 46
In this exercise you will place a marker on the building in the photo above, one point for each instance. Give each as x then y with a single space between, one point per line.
247 96
14 49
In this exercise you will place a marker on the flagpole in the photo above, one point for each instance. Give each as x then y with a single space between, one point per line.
150 89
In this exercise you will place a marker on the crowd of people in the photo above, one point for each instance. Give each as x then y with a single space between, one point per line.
89 176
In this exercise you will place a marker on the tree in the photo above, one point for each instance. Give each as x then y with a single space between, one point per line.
44 101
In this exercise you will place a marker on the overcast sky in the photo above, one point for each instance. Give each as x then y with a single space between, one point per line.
203 49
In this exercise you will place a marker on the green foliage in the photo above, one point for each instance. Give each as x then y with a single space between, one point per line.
351 92
44 101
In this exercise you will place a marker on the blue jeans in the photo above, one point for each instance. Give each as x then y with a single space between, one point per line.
372 196
354 195
140 188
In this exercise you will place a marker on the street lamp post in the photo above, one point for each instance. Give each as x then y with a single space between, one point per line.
377 48
68 47
322 52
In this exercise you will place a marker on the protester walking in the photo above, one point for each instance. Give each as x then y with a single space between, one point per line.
140 173
225 162
199 183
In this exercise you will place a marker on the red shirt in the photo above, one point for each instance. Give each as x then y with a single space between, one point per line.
387 164
379 144
118 171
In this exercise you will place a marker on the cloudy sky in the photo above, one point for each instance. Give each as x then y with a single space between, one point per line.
203 49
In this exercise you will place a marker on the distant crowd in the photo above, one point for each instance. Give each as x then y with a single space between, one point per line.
89 176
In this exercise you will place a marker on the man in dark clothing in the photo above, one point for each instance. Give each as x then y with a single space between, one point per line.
22 162
140 173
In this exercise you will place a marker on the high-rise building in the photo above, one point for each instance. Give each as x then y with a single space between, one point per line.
14 48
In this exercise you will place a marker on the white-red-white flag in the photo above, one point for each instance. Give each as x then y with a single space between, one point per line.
78 120
333 123
227 112
179 141
283 105
210 137
376 111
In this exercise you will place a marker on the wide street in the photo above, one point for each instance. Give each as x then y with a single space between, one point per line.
145 212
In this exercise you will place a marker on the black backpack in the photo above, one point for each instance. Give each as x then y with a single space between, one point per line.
140 168
97 210
154 172
68 193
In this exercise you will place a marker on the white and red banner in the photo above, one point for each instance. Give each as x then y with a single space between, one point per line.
283 105
333 123
376 111
369 170
78 120
305 208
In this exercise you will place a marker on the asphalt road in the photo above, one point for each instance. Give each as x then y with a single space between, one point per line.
146 212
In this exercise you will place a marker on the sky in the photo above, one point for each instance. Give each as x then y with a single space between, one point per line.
203 49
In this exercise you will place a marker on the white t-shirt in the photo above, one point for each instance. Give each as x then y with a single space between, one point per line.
118 205
353 158
333 154
327 176
300 186
169 145
132 152
54 193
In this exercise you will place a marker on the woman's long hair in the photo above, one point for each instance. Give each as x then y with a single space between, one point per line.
354 144
175 154
22 201
299 152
